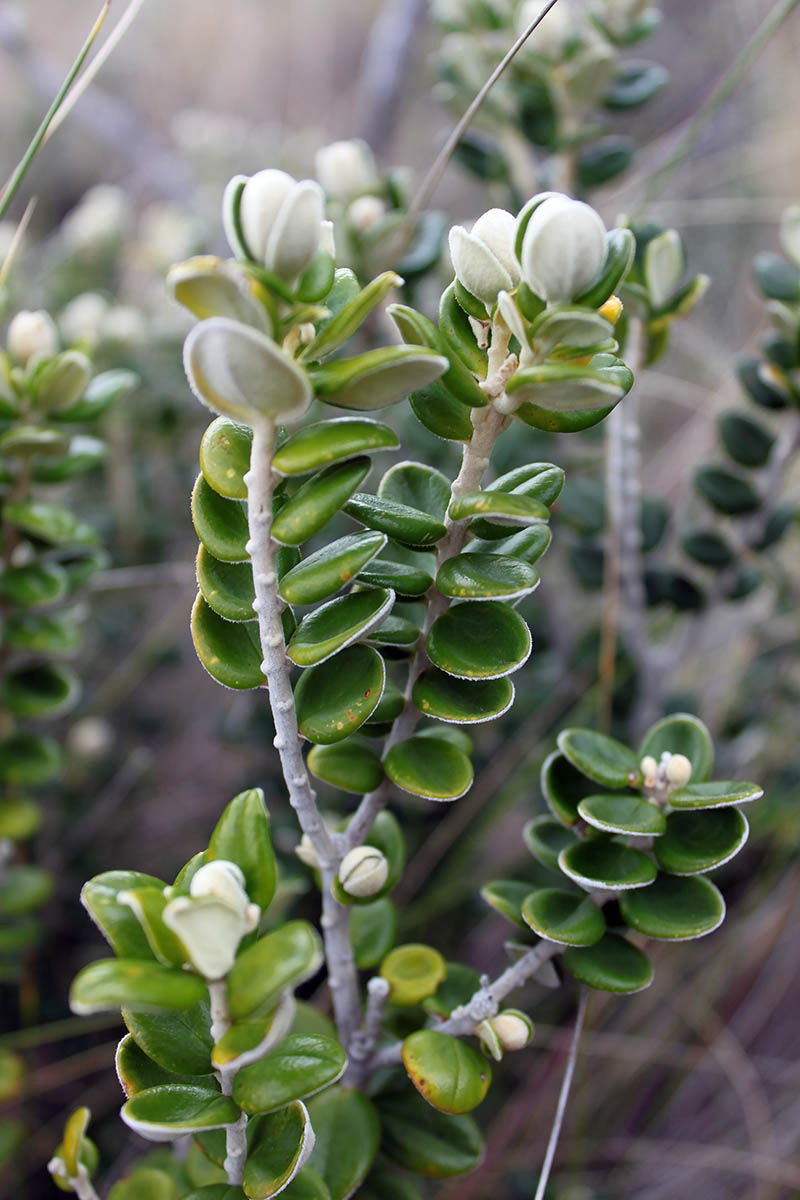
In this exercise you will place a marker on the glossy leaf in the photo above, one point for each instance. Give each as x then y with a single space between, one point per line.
441 413
136 984
225 457
430 768
49 523
147 904
449 1073
278 1148
317 502
725 491
507 897
681 733
715 795
420 331
242 836
325 442
402 578
297 1068
352 314
623 813
435 1145
231 653
377 378
247 1041
33 584
602 758
328 570
177 1041
462 701
568 918
747 441
611 965
220 524
280 959
674 909
416 486
408 525
527 544
27 760
373 928
116 921
42 690
338 624
546 838
479 640
502 507
473 576
334 699
137 1072
347 1132
700 841
227 587
350 766
605 863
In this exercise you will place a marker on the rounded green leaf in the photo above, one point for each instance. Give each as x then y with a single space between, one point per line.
708 547
231 653
395 631
325 442
568 918
623 813
220 524
20 818
417 486
225 457
24 887
602 758
420 331
307 1185
458 987
317 501
41 634
42 690
715 795
479 576
681 733
334 699
242 836
135 984
504 508
377 378
479 640
699 841
726 491
568 388
177 1041
283 958
116 921
526 544
611 965
227 587
49 523
83 454
674 909
295 1069
414 972
247 1041
746 440
462 701
605 863
148 905
328 570
100 394
239 372
350 766
777 278
402 578
137 1072
546 838
211 287
438 410
33 584
408 525
350 308
384 1185
373 928
429 767
150 1183
347 1132
435 1145
619 256
278 1146
568 325
507 897
337 624
27 760
449 1073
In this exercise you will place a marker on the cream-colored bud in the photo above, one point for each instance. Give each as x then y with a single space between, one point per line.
222 879
306 853
363 871
366 213
649 767
664 267
281 221
514 1030
327 239
679 770
346 169
483 259
91 737
32 336
497 229
82 319
563 250
213 918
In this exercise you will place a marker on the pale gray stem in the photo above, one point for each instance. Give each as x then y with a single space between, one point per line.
260 482
236 1134
363 1044
563 1095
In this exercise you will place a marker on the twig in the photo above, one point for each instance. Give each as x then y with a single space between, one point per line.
362 1045
563 1095
22 167
235 1134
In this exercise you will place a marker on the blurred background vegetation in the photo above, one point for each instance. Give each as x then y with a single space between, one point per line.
688 1088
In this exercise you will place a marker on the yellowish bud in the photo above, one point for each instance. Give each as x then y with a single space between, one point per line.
612 309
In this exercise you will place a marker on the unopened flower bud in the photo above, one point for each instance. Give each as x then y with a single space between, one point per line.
82 319
213 918
563 250
364 871
552 36
664 267
611 310
513 1028
483 259
306 853
31 336
346 169
366 212
280 221
649 767
679 770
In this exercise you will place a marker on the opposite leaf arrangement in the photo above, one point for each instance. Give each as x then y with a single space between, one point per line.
407 630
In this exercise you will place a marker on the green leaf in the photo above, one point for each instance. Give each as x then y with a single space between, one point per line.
137 1072
326 442
350 766
507 896
462 701
42 690
347 1135
568 918
373 928
20 819
328 570
708 547
479 640
247 1041
25 441
307 1185
220 524
60 383
457 332
377 378
777 278
623 813
34 584
681 733
611 965
146 1183
435 1145
381 1185
148 904
602 758
230 652
674 909
335 625
242 836
605 863
135 984
408 525
725 491
700 841
41 634
528 545
239 372
416 486
49 523
297 1068
395 631
27 760
100 394
24 887
414 972
116 921
341 327
177 1041
74 1139
546 838
458 987
569 388
430 768
418 330
334 699
317 502
747 441
225 586
402 578
281 959
603 160
211 287
225 457
479 576
502 507
449 1073
635 84
714 795
84 454
162 1114
568 325
441 413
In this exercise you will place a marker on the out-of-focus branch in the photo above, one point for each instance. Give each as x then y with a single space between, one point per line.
384 68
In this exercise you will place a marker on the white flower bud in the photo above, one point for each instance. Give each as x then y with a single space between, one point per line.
678 770
790 233
126 325
483 259
649 767
281 221
364 871
91 737
82 319
306 853
551 37
222 879
346 169
213 918
31 336
366 212
101 219
664 267
327 239
563 250
513 1029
